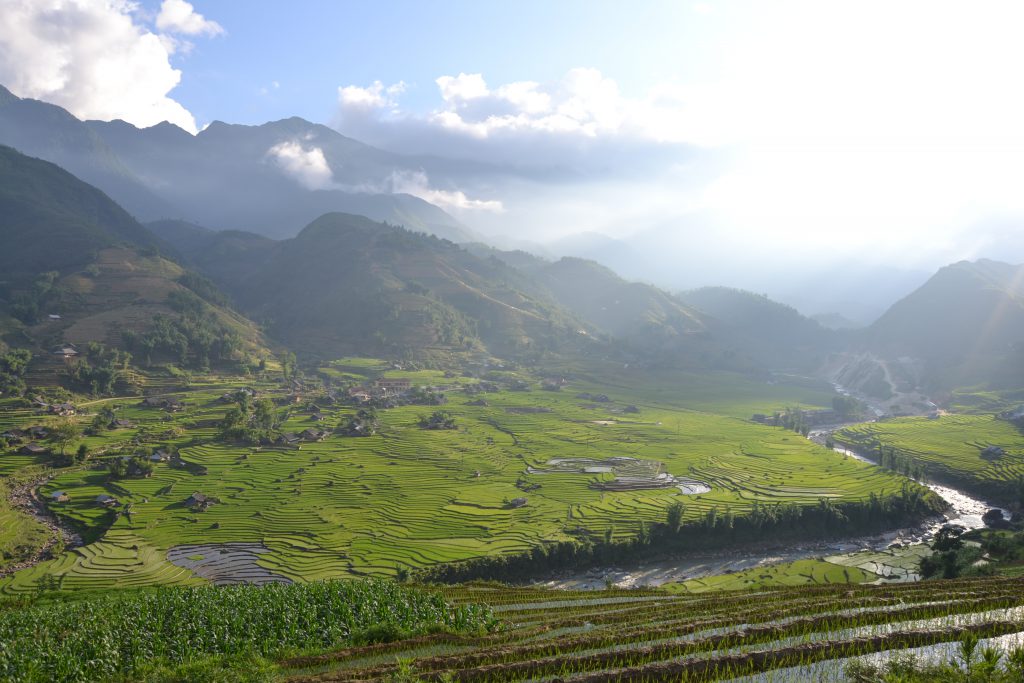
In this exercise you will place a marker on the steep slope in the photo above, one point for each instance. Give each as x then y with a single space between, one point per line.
51 220
77 268
636 312
225 177
966 323
770 332
347 284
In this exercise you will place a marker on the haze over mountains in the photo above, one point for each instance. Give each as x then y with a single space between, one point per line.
271 179
276 178
274 216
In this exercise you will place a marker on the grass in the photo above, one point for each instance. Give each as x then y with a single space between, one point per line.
950 449
409 497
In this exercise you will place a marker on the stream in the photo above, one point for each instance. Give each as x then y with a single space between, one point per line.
965 510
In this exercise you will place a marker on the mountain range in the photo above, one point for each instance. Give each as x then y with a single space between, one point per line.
271 179
328 271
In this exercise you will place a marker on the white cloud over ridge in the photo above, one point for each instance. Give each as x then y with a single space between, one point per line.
417 184
307 166
97 59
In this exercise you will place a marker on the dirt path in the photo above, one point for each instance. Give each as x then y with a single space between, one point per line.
25 497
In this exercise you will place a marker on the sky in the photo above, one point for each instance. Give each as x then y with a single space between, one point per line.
889 132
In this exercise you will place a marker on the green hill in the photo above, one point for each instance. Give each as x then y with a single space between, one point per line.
641 314
79 269
771 333
346 284
966 323
50 220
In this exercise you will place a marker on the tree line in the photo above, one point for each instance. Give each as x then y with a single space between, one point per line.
716 528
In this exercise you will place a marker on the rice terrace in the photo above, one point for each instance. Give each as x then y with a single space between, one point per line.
488 342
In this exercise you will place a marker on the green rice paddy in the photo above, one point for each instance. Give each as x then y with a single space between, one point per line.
950 448
409 497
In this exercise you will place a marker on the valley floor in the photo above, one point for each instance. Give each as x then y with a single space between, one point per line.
408 497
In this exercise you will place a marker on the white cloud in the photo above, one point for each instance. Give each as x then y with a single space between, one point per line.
375 96
178 16
94 58
582 121
307 166
456 89
417 184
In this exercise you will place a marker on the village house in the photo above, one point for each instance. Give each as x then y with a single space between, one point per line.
13 436
359 394
199 501
64 350
313 435
33 449
393 387
160 455
38 432
62 409
517 503
168 404
121 424
59 497
289 439
103 500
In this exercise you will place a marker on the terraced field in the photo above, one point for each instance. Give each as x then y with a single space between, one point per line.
951 449
409 497
785 635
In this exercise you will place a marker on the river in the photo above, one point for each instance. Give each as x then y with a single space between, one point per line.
964 510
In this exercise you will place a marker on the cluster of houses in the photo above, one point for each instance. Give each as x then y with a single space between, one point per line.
13 437
809 418
167 403
308 435
59 409
380 390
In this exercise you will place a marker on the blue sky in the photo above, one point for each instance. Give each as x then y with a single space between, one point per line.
311 48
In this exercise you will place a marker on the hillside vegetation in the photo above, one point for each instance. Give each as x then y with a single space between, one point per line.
966 323
346 284
78 269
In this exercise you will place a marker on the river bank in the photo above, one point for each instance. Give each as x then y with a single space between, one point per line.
964 510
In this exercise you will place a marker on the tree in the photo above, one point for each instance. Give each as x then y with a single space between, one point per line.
82 454
674 516
439 419
264 416
63 432
948 538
